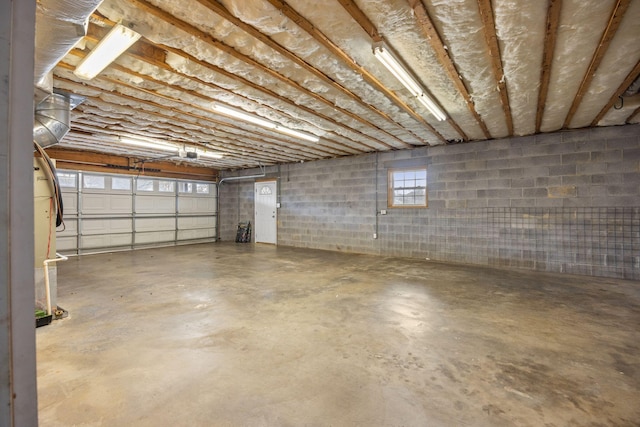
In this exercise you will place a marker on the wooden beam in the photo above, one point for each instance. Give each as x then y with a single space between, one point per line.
551 35
617 13
429 30
361 19
222 11
101 162
486 13
631 77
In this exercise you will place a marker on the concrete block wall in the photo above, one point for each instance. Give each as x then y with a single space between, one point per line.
561 202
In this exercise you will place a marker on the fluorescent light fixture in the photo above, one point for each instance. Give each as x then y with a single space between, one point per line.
382 52
251 118
156 145
209 154
297 133
119 39
238 114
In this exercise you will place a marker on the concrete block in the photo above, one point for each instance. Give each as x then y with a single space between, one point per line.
498 203
576 180
456 204
591 168
523 203
623 143
477 203
571 158
548 138
496 194
535 192
511 173
499 183
522 182
548 203
631 154
545 181
562 191
562 170
606 156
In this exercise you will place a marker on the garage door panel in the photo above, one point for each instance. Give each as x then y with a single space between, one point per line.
66 243
188 204
70 202
196 234
96 203
70 228
154 237
105 241
186 223
155 204
155 224
106 226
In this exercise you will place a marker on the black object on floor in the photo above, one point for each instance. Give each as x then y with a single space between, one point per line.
243 235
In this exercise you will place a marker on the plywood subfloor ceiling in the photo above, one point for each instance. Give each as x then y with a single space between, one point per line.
497 68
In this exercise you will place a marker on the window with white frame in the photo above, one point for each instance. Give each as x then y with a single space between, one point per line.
407 188
144 185
67 180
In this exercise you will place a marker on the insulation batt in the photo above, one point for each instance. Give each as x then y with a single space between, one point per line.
617 63
460 26
521 47
396 22
158 32
581 26
286 32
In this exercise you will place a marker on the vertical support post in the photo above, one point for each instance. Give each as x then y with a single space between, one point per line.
18 392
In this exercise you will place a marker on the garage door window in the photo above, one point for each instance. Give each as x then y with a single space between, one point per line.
92 181
407 188
144 185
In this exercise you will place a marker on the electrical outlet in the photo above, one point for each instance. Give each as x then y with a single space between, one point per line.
383 212
375 235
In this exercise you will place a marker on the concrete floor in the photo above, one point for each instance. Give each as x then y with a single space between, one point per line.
244 335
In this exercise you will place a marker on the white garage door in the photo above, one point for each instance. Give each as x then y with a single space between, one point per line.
110 212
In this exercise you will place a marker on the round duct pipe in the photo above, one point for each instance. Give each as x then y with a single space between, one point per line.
51 120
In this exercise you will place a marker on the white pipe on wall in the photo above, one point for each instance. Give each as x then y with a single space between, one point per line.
46 278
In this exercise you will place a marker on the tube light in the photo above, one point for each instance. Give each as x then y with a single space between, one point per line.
157 145
244 116
297 133
209 154
251 118
394 65
119 39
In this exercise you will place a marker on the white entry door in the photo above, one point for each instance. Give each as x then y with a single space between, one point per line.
266 226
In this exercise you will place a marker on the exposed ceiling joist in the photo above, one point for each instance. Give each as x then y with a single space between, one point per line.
551 35
486 12
369 28
633 75
219 9
617 14
443 56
